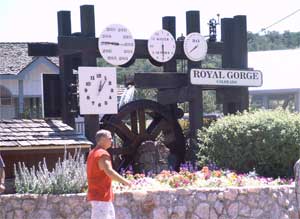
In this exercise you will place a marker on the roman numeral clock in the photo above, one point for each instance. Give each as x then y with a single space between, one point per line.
97 90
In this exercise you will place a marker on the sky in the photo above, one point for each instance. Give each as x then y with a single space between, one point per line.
36 20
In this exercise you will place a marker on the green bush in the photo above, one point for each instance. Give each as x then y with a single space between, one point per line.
265 140
68 176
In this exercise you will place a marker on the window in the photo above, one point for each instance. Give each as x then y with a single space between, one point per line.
5 96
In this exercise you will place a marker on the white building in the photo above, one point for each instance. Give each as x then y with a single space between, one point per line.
29 86
22 79
281 78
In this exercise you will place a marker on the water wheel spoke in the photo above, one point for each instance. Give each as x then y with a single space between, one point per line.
156 127
133 121
153 124
120 150
142 121
122 130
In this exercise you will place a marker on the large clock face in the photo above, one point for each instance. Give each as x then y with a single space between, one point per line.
97 90
116 44
162 46
195 47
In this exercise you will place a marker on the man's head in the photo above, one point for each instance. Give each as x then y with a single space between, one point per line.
103 138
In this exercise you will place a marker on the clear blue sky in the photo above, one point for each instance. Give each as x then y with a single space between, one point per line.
35 20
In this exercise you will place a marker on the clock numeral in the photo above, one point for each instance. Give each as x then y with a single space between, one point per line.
105 102
99 104
106 36
127 37
110 29
109 83
93 102
85 90
122 30
111 57
105 78
123 58
99 75
127 51
128 44
106 51
88 83
111 90
88 97
92 77
110 97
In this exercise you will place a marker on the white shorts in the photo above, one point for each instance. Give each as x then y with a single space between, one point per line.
102 210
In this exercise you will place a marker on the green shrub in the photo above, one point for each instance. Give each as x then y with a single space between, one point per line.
68 176
265 140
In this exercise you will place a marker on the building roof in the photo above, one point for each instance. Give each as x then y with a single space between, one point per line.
280 68
38 134
14 58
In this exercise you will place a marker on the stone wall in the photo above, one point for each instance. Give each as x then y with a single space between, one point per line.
245 203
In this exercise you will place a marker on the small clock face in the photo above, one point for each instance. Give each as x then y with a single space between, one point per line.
162 46
195 47
97 90
116 44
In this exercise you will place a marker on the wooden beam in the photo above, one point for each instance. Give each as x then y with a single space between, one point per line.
234 36
68 45
42 49
172 96
91 122
160 80
65 69
64 23
87 20
169 24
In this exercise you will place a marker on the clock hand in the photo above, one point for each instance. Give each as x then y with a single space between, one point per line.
110 43
163 51
193 49
102 86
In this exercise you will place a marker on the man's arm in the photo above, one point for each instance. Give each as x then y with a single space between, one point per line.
105 165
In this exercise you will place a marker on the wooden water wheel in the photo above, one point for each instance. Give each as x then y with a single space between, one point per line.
143 120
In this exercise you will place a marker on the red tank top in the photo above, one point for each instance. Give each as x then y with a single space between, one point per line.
99 184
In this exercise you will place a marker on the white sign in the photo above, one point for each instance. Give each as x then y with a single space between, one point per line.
226 77
97 90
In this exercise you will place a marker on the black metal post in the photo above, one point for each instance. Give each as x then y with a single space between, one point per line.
91 122
195 106
235 56
65 68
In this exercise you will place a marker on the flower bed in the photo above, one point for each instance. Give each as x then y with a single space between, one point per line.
190 194
197 179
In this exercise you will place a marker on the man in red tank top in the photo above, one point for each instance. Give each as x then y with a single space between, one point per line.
100 175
